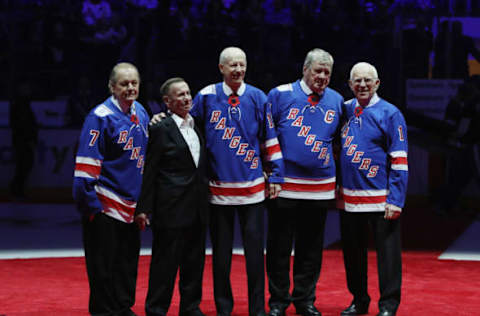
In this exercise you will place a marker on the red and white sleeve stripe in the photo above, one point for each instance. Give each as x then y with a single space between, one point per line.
272 148
114 206
86 167
399 160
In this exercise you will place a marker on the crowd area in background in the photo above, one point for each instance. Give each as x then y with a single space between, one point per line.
65 48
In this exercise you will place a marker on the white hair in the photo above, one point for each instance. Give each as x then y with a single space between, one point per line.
364 66
319 55
228 52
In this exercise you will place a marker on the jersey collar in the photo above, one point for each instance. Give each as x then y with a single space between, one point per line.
115 102
228 91
306 89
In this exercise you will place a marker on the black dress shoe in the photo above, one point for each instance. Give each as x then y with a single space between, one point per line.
386 312
308 310
277 311
355 309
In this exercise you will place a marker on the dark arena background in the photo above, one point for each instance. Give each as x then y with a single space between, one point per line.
55 58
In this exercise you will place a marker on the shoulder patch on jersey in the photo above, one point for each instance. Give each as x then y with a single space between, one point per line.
285 87
208 90
102 110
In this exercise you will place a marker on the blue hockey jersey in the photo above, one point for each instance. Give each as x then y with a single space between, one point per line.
110 159
305 130
373 160
239 134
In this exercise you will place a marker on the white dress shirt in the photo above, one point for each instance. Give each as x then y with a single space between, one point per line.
189 135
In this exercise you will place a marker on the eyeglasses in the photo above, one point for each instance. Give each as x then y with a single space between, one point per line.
367 81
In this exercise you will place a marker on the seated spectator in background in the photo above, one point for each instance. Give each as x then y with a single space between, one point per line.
417 46
95 12
278 30
451 51
111 31
152 100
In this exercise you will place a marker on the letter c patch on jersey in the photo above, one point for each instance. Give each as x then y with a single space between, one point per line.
329 116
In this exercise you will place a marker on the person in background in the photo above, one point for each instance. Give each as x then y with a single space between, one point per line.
106 186
374 174
24 137
452 49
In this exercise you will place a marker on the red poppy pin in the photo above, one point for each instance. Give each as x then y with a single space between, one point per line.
358 110
134 119
313 99
233 100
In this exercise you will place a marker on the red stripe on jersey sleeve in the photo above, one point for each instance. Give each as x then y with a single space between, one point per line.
92 170
399 161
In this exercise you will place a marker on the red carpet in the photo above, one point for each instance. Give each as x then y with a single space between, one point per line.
59 286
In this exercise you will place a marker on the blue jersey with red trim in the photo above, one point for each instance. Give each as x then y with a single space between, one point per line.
240 141
373 160
306 128
110 159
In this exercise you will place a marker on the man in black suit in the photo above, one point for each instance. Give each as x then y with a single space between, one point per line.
175 192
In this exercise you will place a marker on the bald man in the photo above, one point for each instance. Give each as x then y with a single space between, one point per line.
237 123
106 186
374 174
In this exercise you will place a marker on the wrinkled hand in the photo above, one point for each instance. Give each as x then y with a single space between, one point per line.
157 118
273 190
142 221
392 212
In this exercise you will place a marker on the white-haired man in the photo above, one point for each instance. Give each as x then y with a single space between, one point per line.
374 171
237 123
306 114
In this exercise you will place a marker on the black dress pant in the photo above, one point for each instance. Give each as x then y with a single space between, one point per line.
354 231
176 249
251 219
301 222
111 254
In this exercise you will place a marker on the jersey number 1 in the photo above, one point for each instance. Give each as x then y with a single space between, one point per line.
400 133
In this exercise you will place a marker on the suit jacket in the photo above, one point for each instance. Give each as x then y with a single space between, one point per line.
174 190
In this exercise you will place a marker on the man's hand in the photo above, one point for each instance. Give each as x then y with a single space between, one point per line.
274 189
392 212
157 118
142 221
